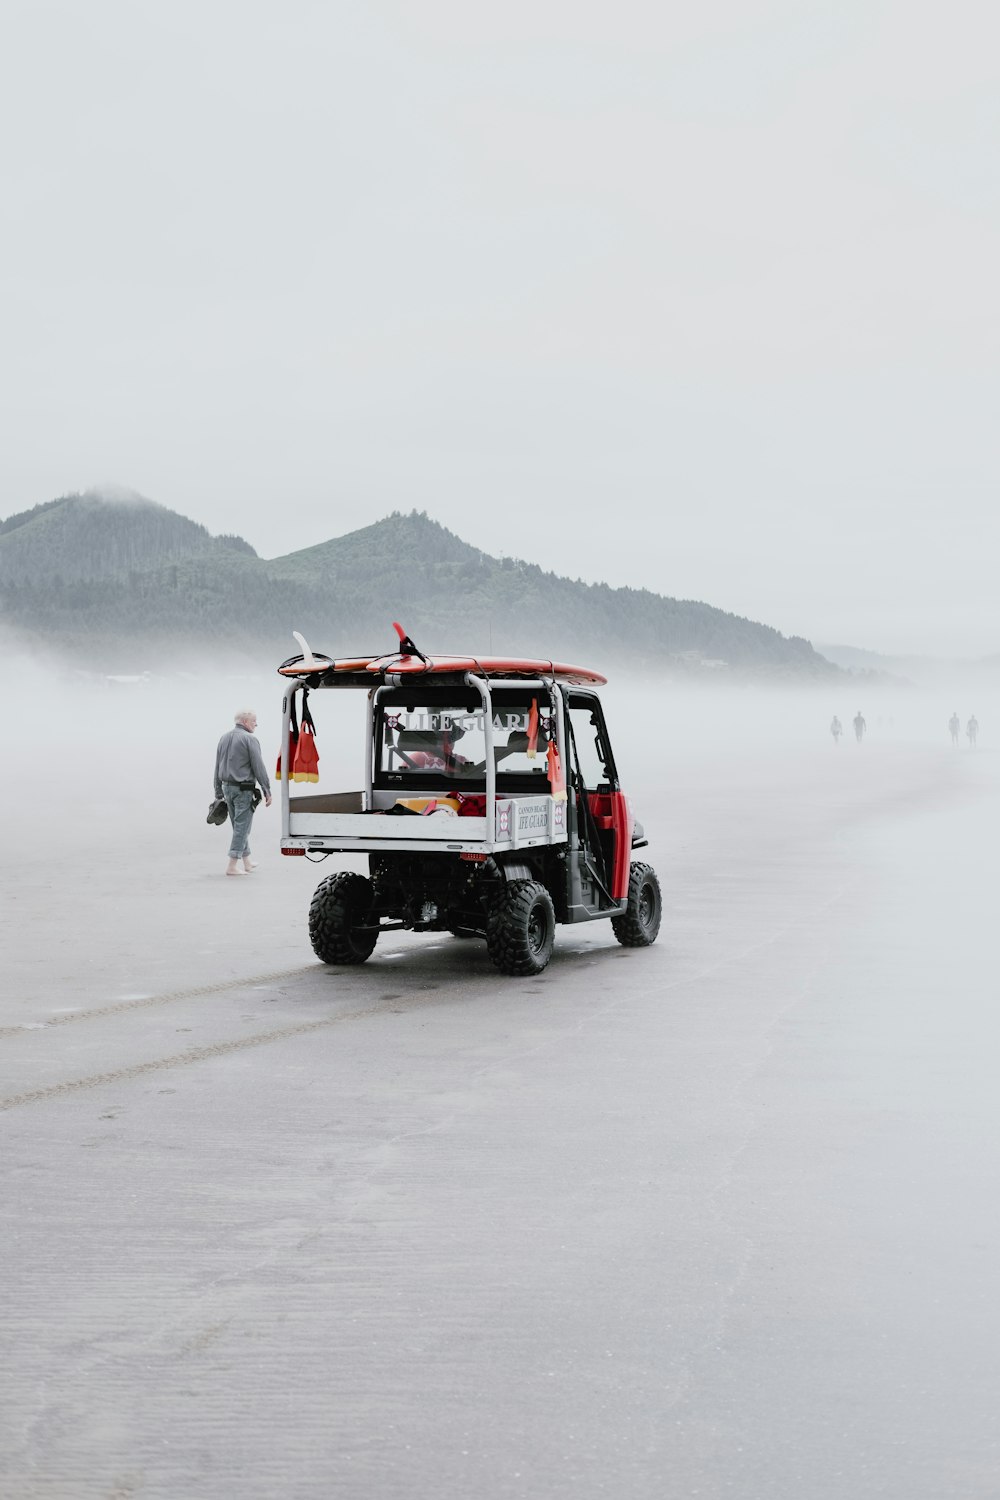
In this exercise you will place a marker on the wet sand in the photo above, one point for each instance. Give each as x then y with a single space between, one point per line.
714 1217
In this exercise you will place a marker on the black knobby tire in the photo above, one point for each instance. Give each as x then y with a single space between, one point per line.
341 904
521 928
640 921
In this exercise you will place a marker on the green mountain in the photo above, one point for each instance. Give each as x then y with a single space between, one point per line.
112 579
412 538
453 596
94 535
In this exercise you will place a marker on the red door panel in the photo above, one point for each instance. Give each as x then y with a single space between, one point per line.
611 810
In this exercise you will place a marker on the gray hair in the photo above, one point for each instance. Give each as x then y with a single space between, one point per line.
244 713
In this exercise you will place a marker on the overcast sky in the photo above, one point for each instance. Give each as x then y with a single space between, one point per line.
696 297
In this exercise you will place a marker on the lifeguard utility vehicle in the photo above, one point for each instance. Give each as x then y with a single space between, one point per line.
490 806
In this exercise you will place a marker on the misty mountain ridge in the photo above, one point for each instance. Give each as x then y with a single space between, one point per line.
911 670
100 534
414 536
106 579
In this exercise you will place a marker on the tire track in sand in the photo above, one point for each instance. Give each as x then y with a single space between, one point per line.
195 1055
144 1002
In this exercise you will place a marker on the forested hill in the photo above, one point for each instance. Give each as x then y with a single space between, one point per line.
454 596
108 580
92 536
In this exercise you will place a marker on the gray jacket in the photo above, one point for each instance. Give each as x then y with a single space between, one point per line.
238 758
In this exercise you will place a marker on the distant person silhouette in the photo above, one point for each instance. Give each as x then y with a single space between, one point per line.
859 726
972 730
954 724
836 729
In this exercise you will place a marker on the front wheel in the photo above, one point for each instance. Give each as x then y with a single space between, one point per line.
341 927
640 921
521 928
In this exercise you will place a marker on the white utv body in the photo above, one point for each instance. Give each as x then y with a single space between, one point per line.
489 806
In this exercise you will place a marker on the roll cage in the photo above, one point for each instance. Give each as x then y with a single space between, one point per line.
394 764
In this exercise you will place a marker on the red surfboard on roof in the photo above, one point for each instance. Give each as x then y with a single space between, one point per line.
408 661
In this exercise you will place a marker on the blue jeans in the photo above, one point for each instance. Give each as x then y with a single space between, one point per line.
240 804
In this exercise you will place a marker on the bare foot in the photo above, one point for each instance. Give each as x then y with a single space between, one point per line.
249 864
233 868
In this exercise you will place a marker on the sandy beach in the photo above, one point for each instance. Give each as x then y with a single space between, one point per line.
714 1217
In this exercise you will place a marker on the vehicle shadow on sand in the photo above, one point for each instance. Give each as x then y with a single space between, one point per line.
457 970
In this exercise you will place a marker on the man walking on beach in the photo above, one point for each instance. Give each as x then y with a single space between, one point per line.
239 769
859 726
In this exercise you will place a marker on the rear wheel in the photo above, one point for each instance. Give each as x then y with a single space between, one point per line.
340 908
640 921
521 929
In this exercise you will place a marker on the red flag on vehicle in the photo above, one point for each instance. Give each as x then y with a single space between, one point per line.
533 730
557 781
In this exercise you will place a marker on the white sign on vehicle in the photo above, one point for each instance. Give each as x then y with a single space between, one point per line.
533 817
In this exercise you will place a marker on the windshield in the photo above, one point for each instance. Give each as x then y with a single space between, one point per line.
419 738
418 742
